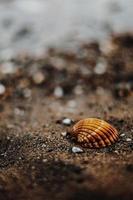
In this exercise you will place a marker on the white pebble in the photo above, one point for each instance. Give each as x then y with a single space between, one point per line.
122 135
43 145
77 150
2 89
58 92
100 68
128 139
64 134
67 121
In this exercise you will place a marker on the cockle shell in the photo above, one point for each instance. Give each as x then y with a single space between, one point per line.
94 133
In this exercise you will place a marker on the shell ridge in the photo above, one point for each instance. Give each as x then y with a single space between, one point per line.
106 132
106 140
102 136
99 136
92 132
89 139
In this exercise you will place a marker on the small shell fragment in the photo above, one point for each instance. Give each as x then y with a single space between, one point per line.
77 150
94 133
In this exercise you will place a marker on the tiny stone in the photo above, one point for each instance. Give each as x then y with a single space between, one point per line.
100 91
38 78
43 145
77 150
44 160
59 63
117 152
85 71
33 167
58 92
8 138
2 89
72 104
122 135
67 121
27 93
100 67
128 139
78 90
64 134
17 111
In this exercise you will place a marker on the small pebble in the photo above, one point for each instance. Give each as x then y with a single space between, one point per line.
44 160
33 167
27 93
78 90
100 91
85 71
122 135
117 152
77 150
71 104
67 121
17 111
58 92
128 139
8 138
38 78
64 134
100 67
2 89
59 63
43 145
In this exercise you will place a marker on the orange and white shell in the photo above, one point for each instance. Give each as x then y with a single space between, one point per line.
94 133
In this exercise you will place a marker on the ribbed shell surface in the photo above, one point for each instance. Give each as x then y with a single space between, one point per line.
94 133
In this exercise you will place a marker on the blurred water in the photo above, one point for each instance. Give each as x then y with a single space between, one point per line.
34 25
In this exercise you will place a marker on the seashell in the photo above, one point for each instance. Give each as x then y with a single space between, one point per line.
94 133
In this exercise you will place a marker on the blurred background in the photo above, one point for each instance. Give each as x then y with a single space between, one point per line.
62 61
33 25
